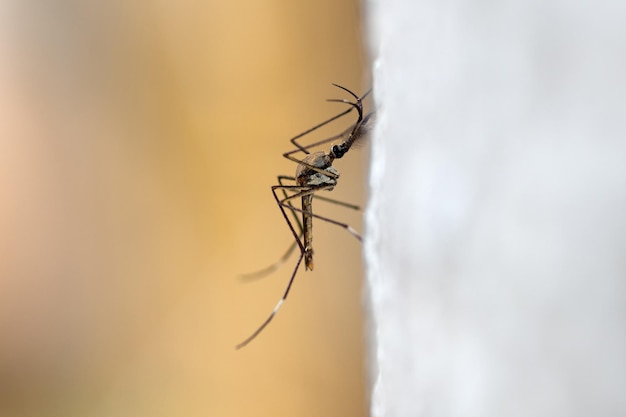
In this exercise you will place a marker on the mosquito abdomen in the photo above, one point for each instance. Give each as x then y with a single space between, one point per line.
308 258
307 226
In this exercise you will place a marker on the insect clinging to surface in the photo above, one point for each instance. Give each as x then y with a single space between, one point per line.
314 173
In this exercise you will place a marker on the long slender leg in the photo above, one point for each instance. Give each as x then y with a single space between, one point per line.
339 203
287 199
282 178
273 267
289 154
335 222
281 205
276 308
306 132
293 209
307 191
347 132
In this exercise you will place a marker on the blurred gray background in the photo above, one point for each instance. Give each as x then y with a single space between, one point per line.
496 227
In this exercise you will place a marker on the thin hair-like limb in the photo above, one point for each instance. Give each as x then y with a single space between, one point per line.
335 222
249 276
283 259
306 132
276 308
282 205
273 267
339 203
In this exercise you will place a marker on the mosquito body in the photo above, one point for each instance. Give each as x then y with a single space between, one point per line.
315 172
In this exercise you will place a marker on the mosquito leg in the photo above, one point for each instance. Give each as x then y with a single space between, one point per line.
346 132
300 189
358 106
285 203
273 267
339 203
282 204
306 132
305 149
335 222
276 308
303 192
282 178
316 196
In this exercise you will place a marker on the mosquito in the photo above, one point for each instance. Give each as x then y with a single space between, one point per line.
314 173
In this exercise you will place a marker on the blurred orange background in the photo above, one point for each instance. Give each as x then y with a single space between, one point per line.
138 144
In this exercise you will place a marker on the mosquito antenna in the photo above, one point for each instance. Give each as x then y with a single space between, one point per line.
346 90
356 138
352 93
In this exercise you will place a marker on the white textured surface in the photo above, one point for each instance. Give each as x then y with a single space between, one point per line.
496 229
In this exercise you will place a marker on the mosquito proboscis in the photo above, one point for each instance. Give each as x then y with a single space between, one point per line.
314 173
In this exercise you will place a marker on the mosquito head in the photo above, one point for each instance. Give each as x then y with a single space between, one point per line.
337 151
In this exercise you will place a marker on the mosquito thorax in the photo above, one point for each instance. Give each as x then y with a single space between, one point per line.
306 175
